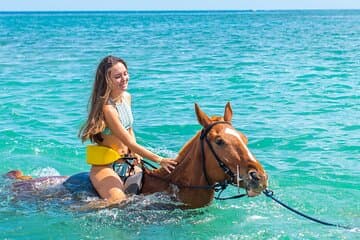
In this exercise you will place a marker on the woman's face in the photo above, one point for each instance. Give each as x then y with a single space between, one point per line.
119 77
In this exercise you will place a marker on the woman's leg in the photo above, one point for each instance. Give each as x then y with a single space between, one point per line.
107 183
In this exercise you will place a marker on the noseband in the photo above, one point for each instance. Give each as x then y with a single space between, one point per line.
226 169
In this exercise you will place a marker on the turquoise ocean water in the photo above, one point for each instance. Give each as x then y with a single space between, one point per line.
292 78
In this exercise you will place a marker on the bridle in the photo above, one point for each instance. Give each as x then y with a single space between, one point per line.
222 165
218 186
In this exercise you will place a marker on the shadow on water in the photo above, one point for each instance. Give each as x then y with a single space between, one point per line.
157 208
56 212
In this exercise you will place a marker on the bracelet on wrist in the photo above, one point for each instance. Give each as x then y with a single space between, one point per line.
160 160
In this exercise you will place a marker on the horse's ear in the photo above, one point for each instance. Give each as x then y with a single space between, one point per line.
203 119
228 112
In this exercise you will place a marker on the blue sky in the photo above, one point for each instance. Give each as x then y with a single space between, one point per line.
58 5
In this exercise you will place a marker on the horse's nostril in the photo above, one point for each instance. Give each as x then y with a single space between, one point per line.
254 176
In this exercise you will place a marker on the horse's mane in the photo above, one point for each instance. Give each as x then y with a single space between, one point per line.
182 155
185 149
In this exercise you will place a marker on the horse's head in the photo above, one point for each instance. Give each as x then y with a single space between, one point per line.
227 154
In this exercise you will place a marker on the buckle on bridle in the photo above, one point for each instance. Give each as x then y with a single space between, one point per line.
220 186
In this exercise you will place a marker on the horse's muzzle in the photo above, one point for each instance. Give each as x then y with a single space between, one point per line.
254 175
257 182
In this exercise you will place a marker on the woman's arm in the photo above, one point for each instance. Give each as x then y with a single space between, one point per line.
137 156
113 122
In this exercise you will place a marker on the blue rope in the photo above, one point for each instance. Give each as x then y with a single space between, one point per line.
270 194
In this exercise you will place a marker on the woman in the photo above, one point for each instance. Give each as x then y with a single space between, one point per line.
109 124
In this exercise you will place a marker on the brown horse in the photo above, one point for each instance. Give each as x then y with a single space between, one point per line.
216 156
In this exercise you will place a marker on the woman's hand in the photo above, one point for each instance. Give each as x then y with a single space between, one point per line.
168 164
137 160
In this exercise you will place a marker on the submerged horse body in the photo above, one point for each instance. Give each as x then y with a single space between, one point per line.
216 156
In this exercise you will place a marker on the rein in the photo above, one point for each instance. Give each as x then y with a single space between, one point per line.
221 186
270 194
228 171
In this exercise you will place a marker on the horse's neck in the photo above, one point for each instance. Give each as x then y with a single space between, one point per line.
189 170
186 181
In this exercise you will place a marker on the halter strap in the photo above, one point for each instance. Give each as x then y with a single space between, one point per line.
206 130
221 164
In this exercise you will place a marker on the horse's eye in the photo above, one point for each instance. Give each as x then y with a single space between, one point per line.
219 141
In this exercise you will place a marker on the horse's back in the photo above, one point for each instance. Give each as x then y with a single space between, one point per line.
80 183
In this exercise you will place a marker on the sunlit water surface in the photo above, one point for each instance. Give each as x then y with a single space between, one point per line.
293 81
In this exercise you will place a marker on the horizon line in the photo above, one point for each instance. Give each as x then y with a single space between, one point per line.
178 10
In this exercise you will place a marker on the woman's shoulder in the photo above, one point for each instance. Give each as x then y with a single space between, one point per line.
127 96
108 108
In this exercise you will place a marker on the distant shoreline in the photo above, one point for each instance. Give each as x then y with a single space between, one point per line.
170 11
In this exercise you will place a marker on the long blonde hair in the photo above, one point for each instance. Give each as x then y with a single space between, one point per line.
95 123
